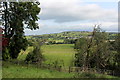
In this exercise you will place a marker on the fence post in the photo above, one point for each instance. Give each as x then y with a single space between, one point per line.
69 69
60 68
113 72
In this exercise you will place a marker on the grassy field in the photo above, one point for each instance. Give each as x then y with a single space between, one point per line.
62 53
11 70
18 71
23 54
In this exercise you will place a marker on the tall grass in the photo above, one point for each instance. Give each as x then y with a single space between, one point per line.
62 53
18 71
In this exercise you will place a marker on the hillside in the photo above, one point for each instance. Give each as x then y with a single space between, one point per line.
68 35
63 35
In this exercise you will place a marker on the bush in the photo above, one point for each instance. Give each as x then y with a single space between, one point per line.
6 54
36 55
90 75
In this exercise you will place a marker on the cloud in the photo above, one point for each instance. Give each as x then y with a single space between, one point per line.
74 10
87 26
74 15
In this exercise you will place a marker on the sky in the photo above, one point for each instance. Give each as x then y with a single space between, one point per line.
76 15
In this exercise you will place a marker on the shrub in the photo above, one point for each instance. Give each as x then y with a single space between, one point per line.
36 55
6 54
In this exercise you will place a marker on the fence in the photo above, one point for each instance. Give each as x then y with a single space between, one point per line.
66 69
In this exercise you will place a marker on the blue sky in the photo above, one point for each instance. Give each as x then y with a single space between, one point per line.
75 15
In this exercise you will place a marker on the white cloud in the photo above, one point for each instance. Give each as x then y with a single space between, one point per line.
69 15
74 10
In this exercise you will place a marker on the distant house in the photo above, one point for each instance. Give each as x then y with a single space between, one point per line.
90 36
111 40
46 42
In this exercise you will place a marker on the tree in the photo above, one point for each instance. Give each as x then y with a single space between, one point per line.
101 47
80 46
116 57
18 16
93 52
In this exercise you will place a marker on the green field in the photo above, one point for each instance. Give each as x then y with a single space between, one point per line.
18 71
23 54
11 70
62 53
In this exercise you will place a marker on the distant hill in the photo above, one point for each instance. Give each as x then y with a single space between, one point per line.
67 35
63 35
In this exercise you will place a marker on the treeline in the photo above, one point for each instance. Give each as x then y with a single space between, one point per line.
65 41
69 35
63 35
98 52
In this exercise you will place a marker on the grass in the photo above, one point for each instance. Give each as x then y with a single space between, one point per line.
11 70
62 53
18 71
93 75
23 54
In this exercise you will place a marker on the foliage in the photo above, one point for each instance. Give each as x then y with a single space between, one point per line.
116 57
36 55
80 46
16 44
93 52
17 16
69 41
93 75
80 43
6 54
51 42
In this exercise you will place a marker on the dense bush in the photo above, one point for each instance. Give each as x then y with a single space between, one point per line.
6 54
69 41
36 55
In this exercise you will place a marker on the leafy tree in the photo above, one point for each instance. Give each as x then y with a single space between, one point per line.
93 52
18 16
80 46
79 43
115 63
101 48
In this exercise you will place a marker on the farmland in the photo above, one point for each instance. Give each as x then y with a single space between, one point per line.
52 53
57 39
60 55
19 71
68 34
59 52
